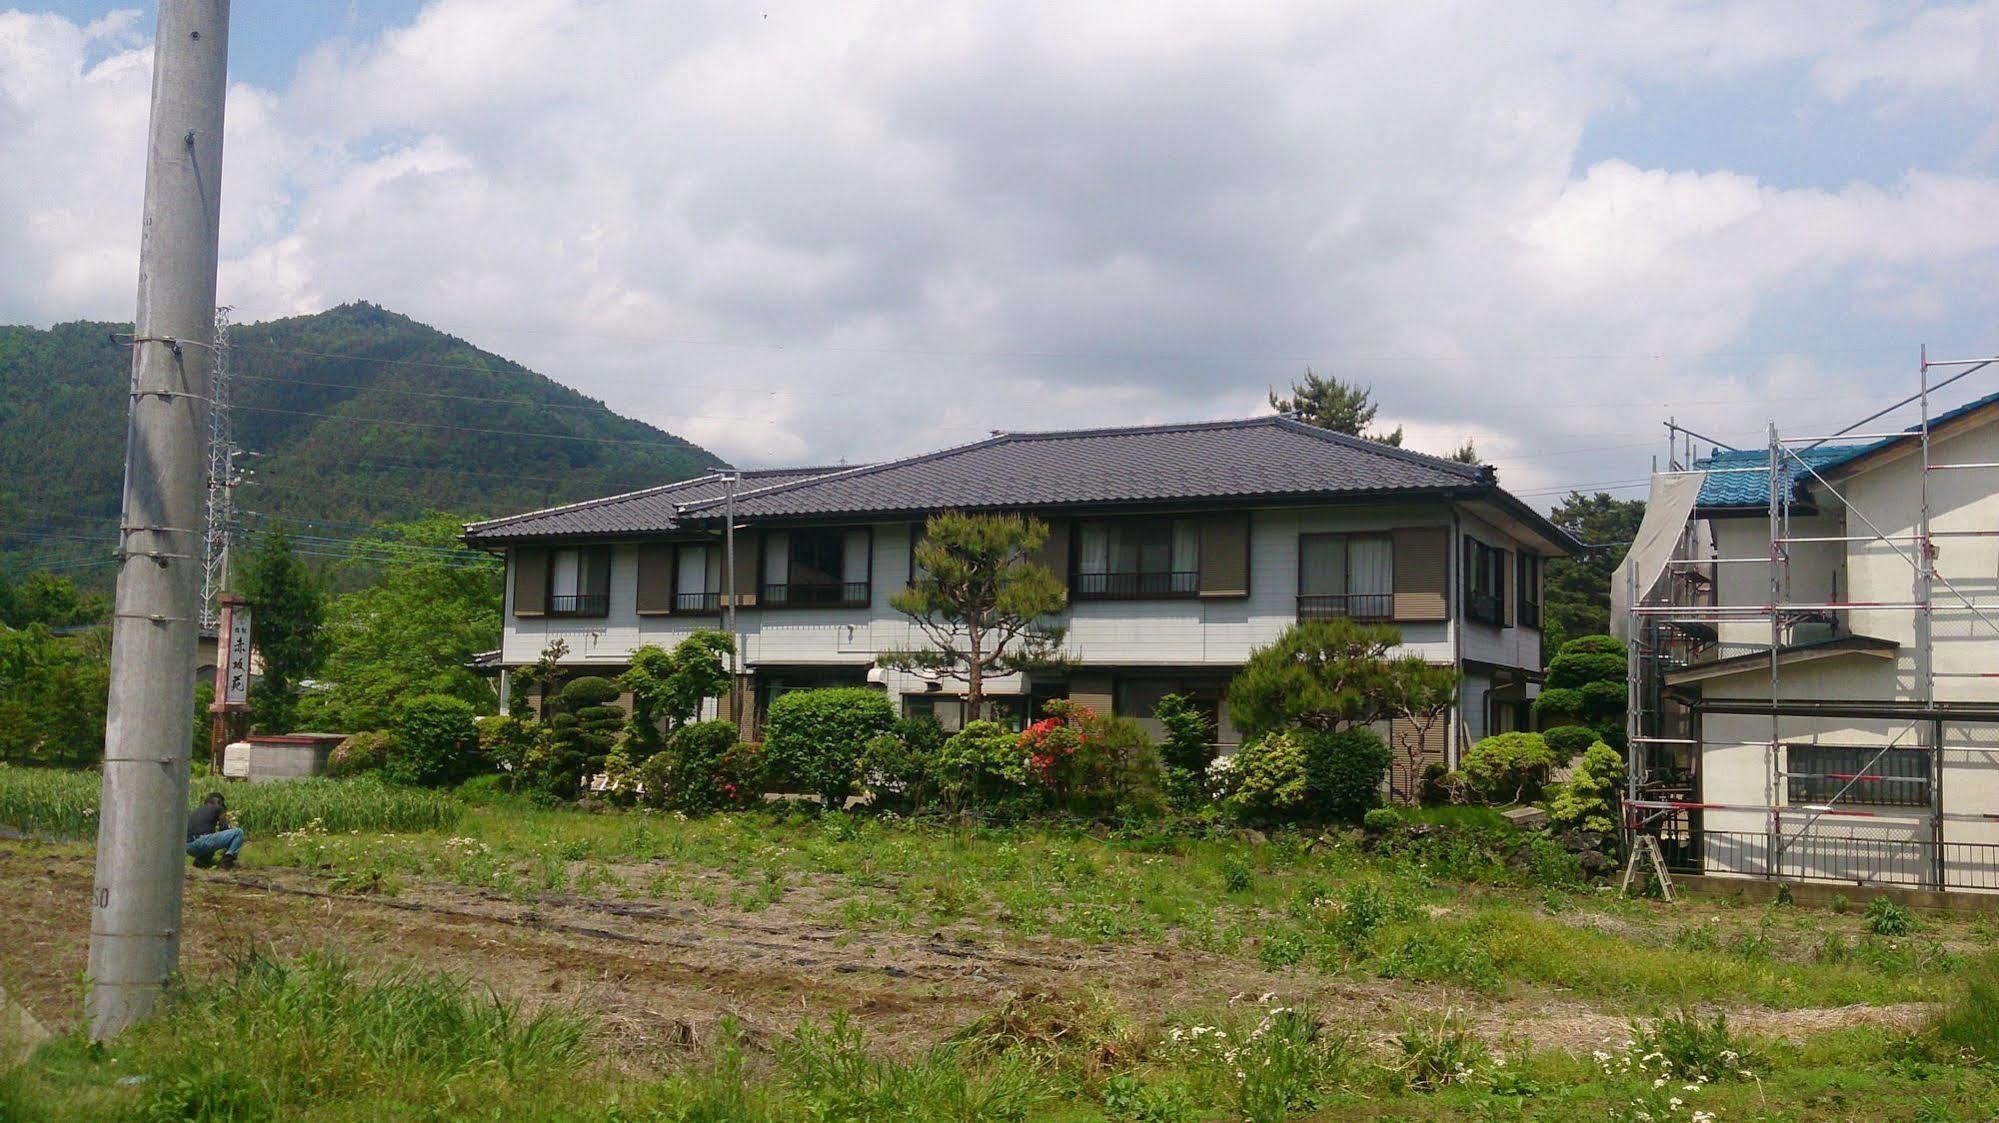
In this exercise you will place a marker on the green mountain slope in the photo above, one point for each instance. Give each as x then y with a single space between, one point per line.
358 414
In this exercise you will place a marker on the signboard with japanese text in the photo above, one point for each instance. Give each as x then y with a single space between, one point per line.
236 677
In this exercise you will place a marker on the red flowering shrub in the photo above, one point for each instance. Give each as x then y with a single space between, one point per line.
1092 765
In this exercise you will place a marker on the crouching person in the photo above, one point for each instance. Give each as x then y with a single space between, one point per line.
209 834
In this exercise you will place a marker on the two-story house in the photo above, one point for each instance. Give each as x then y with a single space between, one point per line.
1183 547
1858 740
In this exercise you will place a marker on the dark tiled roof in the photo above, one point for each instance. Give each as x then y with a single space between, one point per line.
648 511
1267 456
1752 489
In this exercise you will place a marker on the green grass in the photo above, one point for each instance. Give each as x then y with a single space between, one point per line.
60 804
320 1041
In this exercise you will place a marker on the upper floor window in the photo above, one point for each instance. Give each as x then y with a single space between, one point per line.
579 582
1131 558
1485 582
816 568
697 578
1346 575
1528 567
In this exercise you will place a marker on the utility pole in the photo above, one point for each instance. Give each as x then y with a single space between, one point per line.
135 914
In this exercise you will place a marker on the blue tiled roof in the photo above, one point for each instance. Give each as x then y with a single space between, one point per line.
1735 488
1752 489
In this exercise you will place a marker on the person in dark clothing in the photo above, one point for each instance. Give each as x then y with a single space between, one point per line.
208 831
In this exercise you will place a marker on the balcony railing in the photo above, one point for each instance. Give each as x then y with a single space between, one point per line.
1136 586
697 602
579 604
1355 606
827 594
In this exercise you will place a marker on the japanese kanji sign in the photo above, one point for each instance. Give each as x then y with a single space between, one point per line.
236 683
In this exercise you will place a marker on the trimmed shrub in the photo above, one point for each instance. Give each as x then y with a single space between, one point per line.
1270 776
361 753
1565 741
695 771
1580 668
901 765
511 742
583 729
1345 771
1592 645
814 738
981 767
1588 801
1508 767
437 744
1381 820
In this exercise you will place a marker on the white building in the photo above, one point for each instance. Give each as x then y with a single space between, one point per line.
1183 547
1863 748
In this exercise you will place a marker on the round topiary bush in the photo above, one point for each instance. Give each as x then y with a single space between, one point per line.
437 743
1346 769
814 739
1508 767
1566 741
1381 820
361 753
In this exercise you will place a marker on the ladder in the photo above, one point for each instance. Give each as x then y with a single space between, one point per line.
1647 846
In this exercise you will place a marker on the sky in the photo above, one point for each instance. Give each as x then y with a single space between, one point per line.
824 232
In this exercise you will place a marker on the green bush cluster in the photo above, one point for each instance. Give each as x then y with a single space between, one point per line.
361 754
437 744
1508 767
815 739
1299 776
1586 686
583 726
704 766
1588 799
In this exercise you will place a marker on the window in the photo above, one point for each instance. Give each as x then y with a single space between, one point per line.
579 582
1528 566
816 568
697 579
1125 559
1485 582
1346 575
1896 778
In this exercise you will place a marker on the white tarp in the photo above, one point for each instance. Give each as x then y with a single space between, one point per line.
1666 512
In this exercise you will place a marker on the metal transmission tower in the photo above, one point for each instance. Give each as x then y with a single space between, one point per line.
221 513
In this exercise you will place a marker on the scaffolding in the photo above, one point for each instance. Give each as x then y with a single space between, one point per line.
1676 620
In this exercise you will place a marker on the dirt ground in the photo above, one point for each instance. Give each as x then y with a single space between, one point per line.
660 974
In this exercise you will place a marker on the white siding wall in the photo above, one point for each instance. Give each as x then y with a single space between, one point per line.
1508 647
1192 632
1889 496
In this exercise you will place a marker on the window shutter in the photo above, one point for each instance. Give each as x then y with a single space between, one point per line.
747 570
597 574
1509 588
656 581
530 581
1054 553
1225 555
1422 573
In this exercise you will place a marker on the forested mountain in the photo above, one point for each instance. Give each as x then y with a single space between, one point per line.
359 415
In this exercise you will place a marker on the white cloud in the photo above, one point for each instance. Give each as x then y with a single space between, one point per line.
843 231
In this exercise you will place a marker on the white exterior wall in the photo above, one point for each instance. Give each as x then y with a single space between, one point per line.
1167 633
1889 496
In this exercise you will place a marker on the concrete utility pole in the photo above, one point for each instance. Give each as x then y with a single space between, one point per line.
135 911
